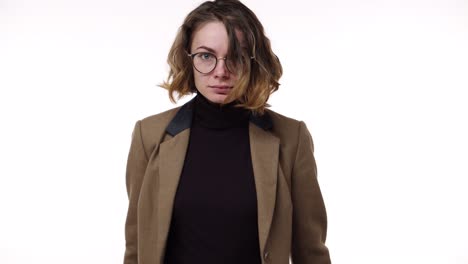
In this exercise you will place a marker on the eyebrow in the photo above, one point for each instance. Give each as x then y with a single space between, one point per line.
208 49
212 50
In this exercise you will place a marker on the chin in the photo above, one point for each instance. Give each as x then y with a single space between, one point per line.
217 98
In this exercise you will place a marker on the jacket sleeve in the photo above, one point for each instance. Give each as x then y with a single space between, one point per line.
309 214
136 166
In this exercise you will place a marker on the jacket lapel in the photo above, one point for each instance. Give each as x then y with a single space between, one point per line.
264 148
171 162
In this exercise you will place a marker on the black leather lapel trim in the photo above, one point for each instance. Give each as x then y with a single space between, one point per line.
263 121
183 119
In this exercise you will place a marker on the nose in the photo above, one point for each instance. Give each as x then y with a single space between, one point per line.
221 70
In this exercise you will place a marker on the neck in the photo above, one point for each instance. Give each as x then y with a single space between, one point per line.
215 115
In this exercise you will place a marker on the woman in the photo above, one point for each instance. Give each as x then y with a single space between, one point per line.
222 179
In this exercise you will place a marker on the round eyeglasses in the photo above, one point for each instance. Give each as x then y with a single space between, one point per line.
205 62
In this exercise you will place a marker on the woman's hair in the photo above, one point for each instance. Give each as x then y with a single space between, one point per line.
259 69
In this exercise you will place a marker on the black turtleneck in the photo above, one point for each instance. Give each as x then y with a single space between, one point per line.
214 219
213 115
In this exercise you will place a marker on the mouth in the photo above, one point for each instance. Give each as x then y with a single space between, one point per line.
221 89
220 86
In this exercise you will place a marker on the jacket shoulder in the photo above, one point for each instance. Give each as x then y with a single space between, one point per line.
153 128
159 120
282 122
289 130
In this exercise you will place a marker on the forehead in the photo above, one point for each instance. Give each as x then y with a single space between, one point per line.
213 35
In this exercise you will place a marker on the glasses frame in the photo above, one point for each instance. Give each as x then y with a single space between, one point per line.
192 55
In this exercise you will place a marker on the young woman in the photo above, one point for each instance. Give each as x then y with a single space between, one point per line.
222 179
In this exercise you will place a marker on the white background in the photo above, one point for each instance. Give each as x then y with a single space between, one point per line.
380 84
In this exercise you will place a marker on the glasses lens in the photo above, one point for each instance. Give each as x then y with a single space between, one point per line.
231 65
204 62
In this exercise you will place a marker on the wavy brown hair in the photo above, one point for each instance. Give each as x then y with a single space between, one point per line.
259 69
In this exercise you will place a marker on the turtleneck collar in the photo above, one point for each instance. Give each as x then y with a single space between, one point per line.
214 115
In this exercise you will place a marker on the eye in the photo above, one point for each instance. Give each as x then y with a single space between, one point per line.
205 56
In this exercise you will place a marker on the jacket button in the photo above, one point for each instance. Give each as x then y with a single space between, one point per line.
266 256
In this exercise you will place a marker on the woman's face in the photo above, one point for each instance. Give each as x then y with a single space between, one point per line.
212 38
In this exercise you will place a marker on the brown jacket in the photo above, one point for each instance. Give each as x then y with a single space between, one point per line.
291 214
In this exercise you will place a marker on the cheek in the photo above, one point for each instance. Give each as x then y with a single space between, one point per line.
199 79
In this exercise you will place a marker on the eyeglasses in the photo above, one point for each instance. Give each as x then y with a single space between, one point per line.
205 62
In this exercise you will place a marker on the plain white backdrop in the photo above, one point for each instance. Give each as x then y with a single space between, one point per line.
380 84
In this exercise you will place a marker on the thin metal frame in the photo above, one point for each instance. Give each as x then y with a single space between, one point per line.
216 63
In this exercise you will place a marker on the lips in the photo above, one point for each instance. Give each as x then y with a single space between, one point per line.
221 89
221 86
